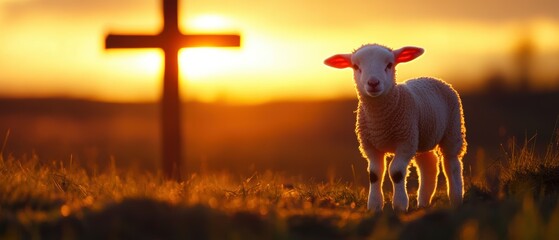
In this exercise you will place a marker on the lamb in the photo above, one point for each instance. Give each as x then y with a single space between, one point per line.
420 119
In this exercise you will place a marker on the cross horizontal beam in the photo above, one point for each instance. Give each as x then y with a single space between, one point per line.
159 41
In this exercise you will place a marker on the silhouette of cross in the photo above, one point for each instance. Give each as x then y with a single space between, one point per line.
171 40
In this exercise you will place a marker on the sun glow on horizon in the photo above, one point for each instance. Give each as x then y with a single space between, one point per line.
62 52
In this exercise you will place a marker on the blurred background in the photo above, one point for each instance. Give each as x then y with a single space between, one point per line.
271 104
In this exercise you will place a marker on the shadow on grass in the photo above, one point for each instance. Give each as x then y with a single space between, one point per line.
147 219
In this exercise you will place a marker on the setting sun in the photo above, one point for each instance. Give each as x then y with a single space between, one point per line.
203 63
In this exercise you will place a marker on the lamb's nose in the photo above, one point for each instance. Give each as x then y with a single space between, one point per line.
373 83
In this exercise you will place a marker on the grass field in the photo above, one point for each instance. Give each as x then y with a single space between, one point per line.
62 200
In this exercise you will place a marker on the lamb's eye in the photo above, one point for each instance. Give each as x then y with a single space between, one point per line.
388 66
355 67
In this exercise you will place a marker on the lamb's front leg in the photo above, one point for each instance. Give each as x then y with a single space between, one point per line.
376 176
398 173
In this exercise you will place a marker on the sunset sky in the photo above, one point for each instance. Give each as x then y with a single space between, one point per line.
56 47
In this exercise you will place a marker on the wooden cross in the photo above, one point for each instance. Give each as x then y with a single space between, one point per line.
171 40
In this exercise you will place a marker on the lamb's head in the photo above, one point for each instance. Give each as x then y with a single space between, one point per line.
374 66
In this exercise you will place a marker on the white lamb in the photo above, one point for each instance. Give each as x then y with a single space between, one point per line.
421 118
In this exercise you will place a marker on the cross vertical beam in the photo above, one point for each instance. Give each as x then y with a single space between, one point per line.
171 40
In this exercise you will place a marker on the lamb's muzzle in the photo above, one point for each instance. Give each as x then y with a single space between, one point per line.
373 85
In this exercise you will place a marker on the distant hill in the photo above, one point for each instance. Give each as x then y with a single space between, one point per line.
311 139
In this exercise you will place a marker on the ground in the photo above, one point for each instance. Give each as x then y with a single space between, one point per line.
63 200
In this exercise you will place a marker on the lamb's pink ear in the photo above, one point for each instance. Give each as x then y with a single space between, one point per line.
407 54
339 61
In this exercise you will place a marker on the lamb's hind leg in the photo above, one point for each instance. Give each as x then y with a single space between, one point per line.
452 167
428 170
453 147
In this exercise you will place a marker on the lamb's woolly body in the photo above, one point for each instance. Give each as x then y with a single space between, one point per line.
410 120
417 110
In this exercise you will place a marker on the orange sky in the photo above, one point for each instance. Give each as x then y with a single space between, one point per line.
55 47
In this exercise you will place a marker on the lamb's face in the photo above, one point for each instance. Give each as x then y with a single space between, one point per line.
373 66
373 70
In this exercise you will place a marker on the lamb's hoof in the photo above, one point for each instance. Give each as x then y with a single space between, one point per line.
375 209
400 208
456 203
456 200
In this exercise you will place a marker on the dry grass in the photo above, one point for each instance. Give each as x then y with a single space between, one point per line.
34 195
526 172
64 200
